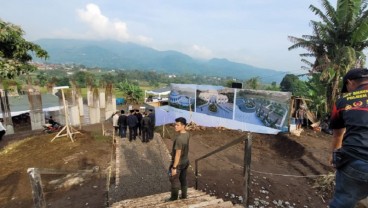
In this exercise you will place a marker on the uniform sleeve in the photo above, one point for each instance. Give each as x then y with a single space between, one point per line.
337 122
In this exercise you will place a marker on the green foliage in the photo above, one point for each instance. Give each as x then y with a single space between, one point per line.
41 78
15 51
253 83
272 87
337 42
100 137
291 83
84 79
133 93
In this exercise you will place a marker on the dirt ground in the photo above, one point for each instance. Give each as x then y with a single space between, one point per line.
278 161
33 149
289 156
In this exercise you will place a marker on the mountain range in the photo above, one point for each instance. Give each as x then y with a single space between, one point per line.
109 54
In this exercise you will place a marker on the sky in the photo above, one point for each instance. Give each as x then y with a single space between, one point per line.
253 32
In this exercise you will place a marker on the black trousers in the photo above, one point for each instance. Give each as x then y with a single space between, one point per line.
151 132
132 133
122 131
180 179
145 134
116 128
2 134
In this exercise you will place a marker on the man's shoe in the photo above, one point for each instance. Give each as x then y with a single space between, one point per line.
184 192
174 195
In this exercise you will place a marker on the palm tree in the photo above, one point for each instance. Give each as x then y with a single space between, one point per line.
337 41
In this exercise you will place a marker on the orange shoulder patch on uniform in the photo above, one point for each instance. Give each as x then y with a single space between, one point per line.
358 104
348 107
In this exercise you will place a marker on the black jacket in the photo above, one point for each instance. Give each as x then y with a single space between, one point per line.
132 120
122 121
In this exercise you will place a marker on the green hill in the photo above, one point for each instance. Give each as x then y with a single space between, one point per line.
117 55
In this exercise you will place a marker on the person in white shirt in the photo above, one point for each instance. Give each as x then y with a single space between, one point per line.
115 119
2 129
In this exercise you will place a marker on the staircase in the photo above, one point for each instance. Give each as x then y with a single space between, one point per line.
195 199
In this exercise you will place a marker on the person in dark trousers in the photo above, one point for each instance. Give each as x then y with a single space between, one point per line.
132 124
180 161
122 123
145 125
2 129
151 115
349 123
139 117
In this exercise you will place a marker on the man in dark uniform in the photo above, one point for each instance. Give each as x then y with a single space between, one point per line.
132 124
139 117
145 125
349 122
180 161
151 115
122 123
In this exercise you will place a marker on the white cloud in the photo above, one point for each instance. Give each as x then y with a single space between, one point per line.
101 25
200 52
144 39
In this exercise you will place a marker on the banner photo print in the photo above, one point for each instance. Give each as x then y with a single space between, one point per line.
249 110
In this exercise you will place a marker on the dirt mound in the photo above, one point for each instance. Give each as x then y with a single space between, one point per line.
89 150
275 160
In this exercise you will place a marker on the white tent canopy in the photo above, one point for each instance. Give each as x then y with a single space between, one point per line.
159 92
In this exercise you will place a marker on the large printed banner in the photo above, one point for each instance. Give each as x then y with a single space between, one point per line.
257 108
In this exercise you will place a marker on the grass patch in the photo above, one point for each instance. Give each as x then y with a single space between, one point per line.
100 137
12 146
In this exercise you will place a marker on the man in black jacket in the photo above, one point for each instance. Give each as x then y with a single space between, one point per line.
132 124
145 125
139 117
152 116
122 123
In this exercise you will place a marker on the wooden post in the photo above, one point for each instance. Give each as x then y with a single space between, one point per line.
247 161
37 192
196 174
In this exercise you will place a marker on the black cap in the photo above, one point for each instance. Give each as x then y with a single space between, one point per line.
353 74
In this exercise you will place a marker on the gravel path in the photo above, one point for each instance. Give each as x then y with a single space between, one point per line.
142 169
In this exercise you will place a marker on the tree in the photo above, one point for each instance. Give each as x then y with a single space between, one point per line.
15 51
291 83
132 92
253 83
337 42
83 79
42 78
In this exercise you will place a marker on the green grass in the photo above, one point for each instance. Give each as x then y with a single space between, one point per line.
100 137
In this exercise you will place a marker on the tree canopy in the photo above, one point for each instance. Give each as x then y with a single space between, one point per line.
15 51
337 42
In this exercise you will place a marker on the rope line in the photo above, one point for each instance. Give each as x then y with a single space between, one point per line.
285 175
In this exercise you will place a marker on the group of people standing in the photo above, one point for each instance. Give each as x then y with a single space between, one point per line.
139 124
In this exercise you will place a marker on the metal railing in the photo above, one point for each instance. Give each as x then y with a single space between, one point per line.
247 161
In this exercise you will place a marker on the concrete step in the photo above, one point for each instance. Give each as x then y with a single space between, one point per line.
219 205
154 199
196 199
184 202
212 203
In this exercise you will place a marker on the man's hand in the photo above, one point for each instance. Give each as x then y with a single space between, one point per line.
173 171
